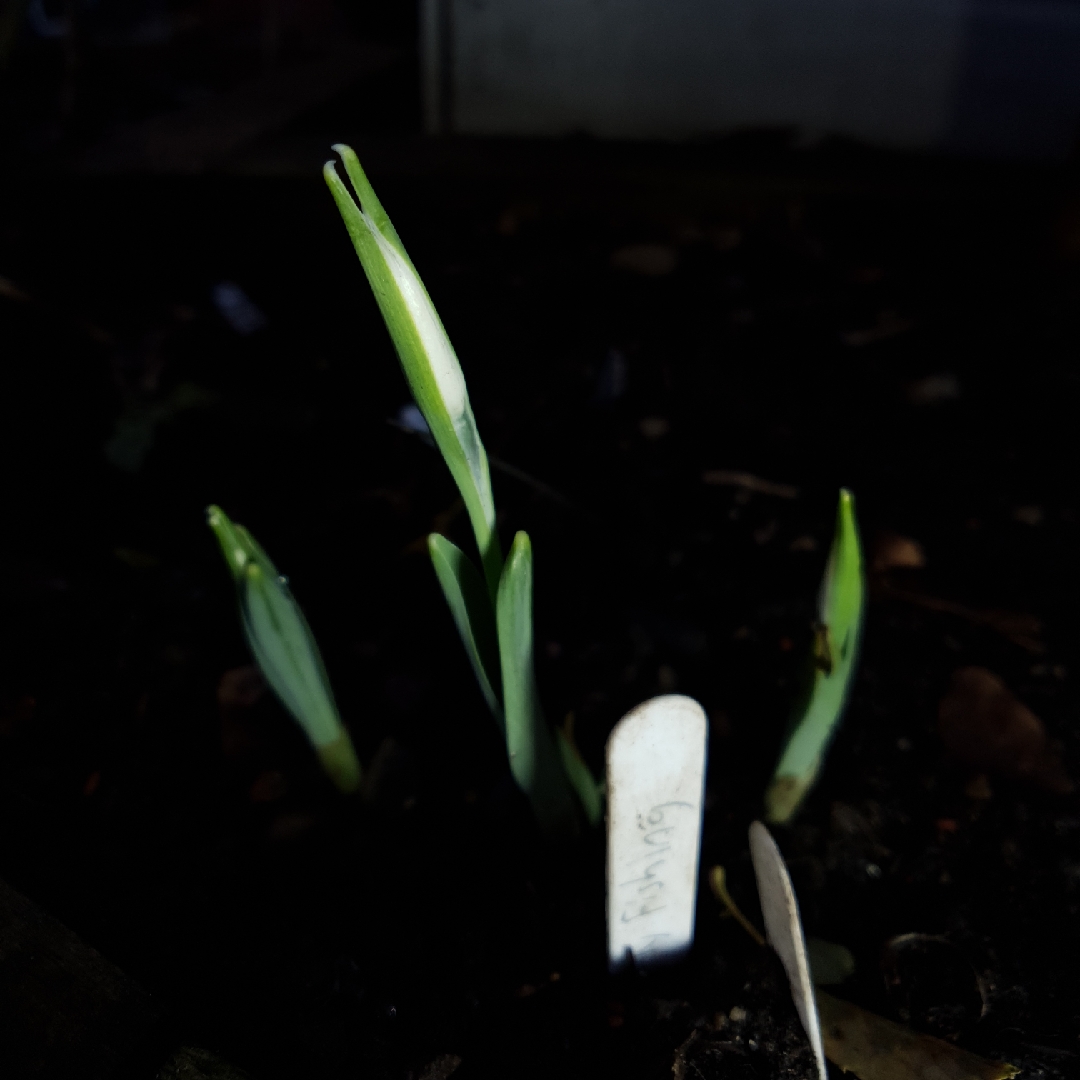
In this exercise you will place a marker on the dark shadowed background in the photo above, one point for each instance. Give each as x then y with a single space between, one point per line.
703 264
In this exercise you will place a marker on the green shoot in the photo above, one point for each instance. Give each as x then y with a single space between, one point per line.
493 610
428 359
718 884
534 760
284 649
841 606
589 791
471 608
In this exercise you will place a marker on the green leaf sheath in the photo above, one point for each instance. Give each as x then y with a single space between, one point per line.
427 358
534 760
473 615
841 607
284 648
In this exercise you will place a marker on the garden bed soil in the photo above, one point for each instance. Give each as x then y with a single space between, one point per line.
636 324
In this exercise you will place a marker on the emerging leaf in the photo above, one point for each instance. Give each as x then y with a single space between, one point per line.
841 605
589 790
428 359
534 760
284 648
473 615
718 884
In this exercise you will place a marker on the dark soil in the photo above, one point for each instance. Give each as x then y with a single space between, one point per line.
301 934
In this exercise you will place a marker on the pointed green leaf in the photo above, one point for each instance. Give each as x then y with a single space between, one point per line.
842 597
589 790
534 761
473 615
428 359
841 606
284 648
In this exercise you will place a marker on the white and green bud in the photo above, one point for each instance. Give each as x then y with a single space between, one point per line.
431 366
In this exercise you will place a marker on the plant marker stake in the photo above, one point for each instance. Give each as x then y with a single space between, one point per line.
783 931
656 796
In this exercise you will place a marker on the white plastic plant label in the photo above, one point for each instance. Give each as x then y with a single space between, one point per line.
783 931
656 795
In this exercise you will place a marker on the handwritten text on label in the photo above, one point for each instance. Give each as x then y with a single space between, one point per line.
656 762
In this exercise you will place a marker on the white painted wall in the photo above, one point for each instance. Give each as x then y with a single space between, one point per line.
992 76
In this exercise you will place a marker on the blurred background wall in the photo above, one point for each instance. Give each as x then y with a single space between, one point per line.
181 85
997 77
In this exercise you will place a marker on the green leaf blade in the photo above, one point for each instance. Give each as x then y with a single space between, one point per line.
589 790
285 650
470 607
843 588
534 760
841 609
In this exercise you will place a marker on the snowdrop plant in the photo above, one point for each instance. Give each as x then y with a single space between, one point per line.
284 649
491 606
841 609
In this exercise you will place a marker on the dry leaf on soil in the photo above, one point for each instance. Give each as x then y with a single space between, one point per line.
891 551
874 1048
986 727
651 260
1019 628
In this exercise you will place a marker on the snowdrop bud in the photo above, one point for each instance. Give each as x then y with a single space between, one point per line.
444 362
